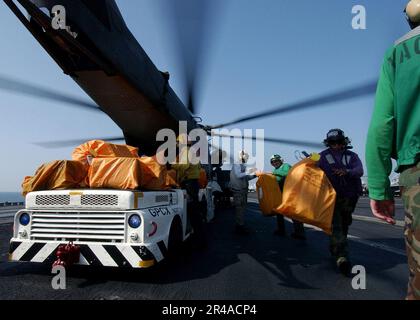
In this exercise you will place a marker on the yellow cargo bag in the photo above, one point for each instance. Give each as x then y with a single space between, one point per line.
102 149
60 174
269 194
308 196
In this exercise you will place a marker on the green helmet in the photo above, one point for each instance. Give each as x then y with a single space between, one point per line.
276 157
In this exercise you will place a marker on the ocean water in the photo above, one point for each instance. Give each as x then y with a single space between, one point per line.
11 197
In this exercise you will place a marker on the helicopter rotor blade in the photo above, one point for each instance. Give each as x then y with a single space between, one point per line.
190 103
23 88
73 143
310 144
191 21
339 96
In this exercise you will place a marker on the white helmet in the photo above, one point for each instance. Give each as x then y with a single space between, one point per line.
243 156
413 13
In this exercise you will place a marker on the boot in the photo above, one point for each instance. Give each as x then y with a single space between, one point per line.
344 266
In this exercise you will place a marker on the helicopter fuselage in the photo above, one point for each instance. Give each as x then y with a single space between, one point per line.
102 56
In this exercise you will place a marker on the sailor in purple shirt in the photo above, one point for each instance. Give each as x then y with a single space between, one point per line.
344 170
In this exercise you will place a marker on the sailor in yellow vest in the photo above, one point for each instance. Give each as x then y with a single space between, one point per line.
188 175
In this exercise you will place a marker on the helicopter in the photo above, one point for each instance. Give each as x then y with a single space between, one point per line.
97 50
103 57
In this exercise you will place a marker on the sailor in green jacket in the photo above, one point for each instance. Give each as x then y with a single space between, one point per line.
394 133
281 170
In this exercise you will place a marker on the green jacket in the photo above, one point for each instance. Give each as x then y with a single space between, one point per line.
395 127
282 171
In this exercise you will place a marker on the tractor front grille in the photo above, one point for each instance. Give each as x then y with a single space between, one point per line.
78 226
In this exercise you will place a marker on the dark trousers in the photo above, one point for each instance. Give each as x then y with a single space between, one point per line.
342 219
193 210
297 226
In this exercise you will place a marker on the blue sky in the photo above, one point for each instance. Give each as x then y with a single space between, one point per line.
263 54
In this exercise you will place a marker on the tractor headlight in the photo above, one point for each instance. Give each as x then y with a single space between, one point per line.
134 221
24 219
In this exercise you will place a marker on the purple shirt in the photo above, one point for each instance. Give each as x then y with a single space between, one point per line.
350 185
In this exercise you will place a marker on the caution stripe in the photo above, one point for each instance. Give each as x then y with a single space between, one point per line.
52 257
32 251
132 257
43 254
83 261
13 246
144 253
117 256
21 250
92 254
103 256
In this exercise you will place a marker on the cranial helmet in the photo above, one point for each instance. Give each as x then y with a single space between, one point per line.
412 11
276 157
336 135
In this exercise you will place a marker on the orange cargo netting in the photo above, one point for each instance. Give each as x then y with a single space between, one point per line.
60 174
269 194
129 174
308 196
156 176
102 149
98 164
